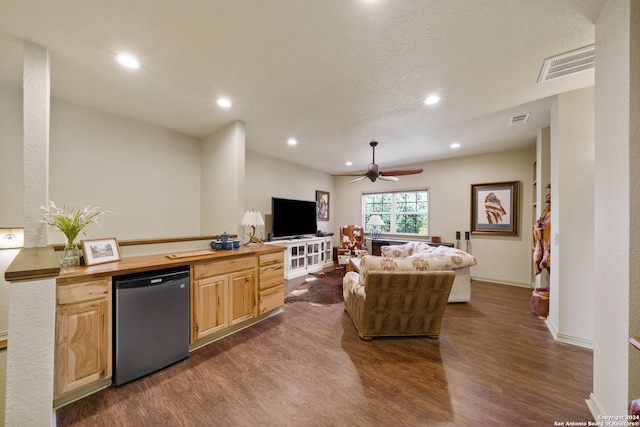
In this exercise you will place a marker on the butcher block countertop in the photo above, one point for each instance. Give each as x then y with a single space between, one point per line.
142 263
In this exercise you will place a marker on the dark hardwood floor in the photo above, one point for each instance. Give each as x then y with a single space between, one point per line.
495 364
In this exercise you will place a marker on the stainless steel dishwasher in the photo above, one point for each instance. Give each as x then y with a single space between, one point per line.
151 322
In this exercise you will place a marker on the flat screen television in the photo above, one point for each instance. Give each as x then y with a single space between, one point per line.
293 218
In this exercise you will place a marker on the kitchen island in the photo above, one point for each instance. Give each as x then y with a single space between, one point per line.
229 291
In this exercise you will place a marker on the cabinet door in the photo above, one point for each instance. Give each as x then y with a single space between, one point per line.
208 307
82 345
242 286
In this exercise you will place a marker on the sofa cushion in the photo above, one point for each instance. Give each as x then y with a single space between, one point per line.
397 250
355 282
450 258
377 263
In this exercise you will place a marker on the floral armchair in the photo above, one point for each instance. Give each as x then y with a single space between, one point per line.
351 243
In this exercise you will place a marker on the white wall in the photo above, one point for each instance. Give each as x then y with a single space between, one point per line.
11 180
147 176
505 259
268 177
616 365
572 236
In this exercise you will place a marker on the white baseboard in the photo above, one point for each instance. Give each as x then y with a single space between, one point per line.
580 342
595 408
567 339
501 282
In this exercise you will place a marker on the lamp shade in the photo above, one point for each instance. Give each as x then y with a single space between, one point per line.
252 218
375 220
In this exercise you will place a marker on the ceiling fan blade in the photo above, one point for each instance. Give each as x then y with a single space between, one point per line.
358 179
388 178
402 172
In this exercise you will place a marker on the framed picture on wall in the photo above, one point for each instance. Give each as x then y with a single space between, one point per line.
322 203
494 208
98 251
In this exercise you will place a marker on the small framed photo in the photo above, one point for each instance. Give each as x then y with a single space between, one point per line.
98 251
322 203
494 208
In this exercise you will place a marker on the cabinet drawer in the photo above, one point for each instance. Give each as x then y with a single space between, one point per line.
271 275
83 291
277 258
222 267
272 298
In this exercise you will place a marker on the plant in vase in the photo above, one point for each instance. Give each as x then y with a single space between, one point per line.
71 222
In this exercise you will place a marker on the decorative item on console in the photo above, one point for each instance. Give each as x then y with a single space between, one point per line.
71 222
98 251
253 218
225 242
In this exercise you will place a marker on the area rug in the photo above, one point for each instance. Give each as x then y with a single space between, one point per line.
319 289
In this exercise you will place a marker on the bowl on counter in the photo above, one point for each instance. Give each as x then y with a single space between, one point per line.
237 244
216 245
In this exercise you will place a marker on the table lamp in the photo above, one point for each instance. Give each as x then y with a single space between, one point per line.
252 218
375 222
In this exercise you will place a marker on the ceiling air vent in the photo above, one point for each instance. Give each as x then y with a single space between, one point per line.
519 119
568 63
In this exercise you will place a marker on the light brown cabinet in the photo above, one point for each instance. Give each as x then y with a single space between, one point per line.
271 281
223 294
208 306
242 287
83 334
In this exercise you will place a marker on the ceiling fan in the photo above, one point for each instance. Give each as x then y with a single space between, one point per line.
373 172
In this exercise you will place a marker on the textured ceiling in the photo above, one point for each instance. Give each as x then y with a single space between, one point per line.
334 74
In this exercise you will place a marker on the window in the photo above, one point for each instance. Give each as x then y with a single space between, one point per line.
404 212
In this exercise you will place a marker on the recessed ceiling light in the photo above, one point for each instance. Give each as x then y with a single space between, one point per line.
349 163
432 99
292 141
128 60
455 145
224 102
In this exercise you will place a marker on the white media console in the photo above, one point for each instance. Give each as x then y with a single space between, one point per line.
306 255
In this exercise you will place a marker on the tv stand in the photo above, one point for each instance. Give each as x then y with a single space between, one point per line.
305 255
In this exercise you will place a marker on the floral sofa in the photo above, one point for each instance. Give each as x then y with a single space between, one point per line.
397 296
449 259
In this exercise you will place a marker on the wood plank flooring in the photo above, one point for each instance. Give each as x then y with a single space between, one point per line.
494 364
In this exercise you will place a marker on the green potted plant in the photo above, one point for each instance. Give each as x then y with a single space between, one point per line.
71 222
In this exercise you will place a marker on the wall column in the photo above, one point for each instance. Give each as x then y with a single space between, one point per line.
616 365
572 244
222 183
32 304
